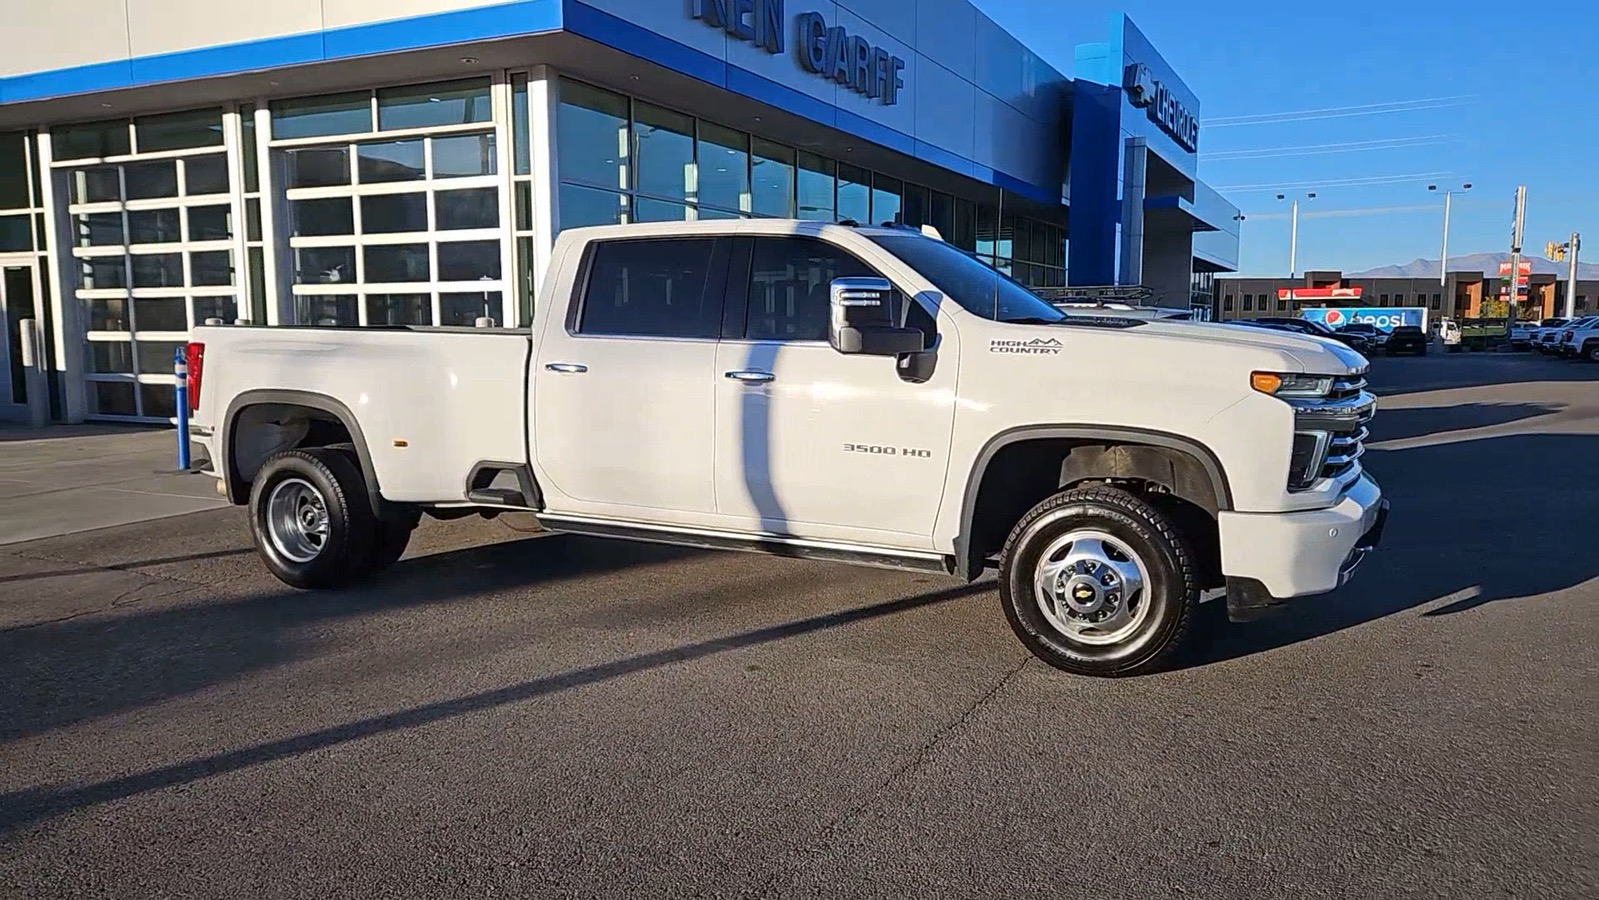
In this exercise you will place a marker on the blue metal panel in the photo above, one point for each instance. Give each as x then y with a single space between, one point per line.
945 33
585 20
902 115
941 157
946 108
1137 50
1007 134
1214 210
895 17
1220 244
284 51
456 26
61 82
1096 164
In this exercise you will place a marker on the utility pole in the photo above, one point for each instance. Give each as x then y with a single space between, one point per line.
1515 260
1571 276
1293 242
1443 259
1558 252
1293 232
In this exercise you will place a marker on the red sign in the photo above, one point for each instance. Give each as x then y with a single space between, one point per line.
1321 293
1523 271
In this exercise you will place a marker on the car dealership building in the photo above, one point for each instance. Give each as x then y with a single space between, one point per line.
356 163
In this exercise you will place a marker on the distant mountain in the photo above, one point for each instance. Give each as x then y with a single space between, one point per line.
1487 263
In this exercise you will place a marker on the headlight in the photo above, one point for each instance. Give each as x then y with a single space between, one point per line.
1281 384
1309 455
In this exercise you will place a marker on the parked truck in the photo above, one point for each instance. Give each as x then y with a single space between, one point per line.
865 394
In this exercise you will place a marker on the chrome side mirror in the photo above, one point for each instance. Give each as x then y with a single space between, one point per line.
862 319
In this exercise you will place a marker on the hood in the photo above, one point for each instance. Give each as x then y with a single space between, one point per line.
1318 356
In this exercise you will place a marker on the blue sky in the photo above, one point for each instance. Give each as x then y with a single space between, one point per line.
1509 74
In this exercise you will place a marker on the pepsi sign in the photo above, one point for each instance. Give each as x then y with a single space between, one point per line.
1384 318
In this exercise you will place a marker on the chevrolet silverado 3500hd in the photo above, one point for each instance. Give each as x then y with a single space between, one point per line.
869 394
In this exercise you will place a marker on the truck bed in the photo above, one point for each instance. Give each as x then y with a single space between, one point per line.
430 402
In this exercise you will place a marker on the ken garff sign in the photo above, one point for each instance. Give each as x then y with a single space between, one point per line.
1165 110
828 51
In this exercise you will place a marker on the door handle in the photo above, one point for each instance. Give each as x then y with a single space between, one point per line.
567 368
751 376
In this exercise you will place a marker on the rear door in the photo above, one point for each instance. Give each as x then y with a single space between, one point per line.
623 394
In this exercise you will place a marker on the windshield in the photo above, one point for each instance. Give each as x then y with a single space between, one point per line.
978 289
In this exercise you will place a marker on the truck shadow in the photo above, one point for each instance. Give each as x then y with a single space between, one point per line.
24 807
1399 376
61 673
1400 424
1458 543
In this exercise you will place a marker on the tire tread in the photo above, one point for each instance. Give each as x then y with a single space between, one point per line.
1145 515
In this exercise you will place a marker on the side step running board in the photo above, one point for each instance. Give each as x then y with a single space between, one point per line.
485 485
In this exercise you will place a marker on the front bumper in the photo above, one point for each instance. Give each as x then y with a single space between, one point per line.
1271 557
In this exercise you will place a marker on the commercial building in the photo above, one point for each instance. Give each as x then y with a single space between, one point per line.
355 163
1461 295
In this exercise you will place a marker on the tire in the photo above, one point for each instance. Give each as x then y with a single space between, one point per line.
1591 352
1118 536
310 518
389 541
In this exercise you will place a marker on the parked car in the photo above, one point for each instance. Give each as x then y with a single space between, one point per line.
1408 339
1356 341
1545 335
1375 337
1449 334
1581 338
1522 334
870 395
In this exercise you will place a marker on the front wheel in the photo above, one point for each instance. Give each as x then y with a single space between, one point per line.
1592 352
310 518
1096 581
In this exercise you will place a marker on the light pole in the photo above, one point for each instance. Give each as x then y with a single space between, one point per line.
1443 259
1293 232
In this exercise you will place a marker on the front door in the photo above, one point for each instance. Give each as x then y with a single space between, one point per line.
812 442
18 294
622 392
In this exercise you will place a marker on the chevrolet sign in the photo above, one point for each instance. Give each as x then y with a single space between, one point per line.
1164 109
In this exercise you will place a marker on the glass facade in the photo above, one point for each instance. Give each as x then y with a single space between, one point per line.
624 160
392 230
406 205
153 253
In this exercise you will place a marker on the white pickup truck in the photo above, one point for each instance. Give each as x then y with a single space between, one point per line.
868 394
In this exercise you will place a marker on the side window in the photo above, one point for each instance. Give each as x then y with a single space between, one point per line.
789 280
788 289
651 288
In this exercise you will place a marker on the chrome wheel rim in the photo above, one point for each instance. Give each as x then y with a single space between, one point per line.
297 520
1092 588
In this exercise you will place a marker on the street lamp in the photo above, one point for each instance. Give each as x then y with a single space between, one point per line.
1443 260
1293 232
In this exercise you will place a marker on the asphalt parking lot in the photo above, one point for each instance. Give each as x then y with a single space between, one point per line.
504 715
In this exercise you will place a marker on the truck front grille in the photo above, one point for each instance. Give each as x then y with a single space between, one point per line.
1342 416
1345 451
1347 386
